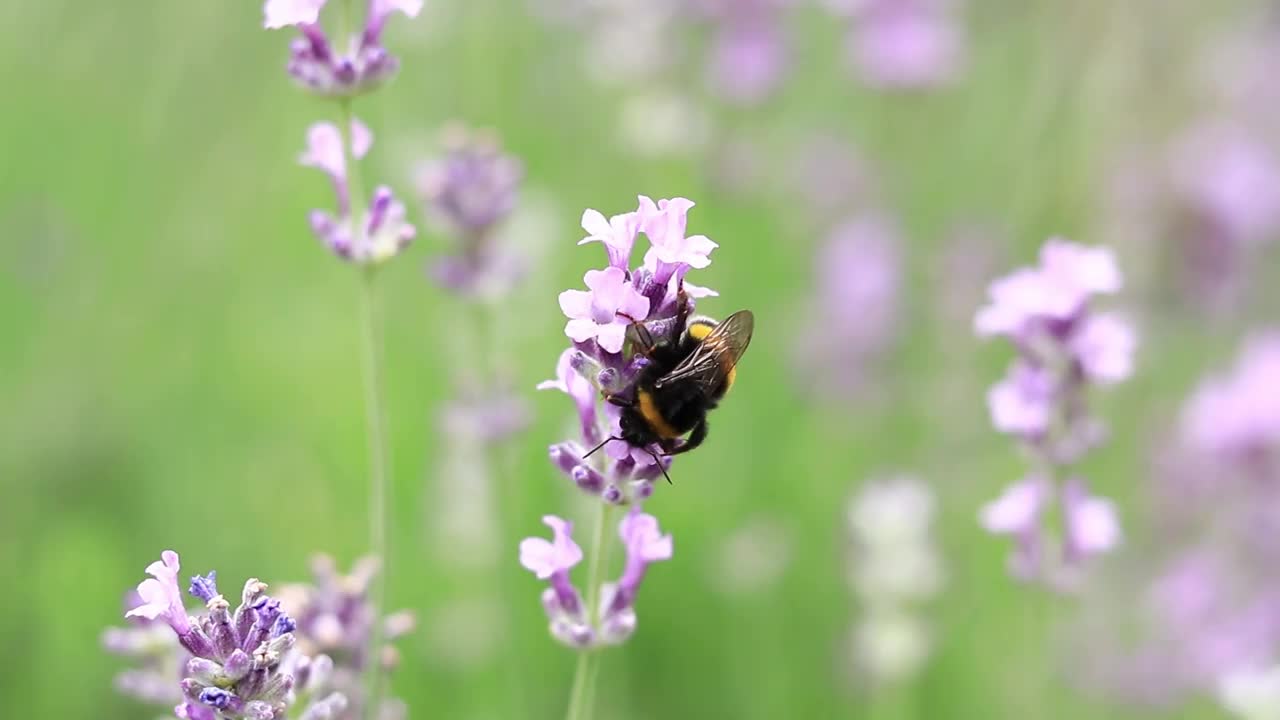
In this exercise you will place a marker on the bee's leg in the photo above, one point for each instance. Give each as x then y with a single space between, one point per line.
642 335
682 308
619 400
695 439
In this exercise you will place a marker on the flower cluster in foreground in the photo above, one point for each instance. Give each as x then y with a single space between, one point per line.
335 618
298 653
1064 347
237 666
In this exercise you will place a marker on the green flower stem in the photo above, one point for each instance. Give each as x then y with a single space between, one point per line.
375 420
584 677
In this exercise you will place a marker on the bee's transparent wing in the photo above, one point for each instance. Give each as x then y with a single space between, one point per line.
710 362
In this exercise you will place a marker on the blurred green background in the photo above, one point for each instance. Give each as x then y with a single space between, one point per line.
180 362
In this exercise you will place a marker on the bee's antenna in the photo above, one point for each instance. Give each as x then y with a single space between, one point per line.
594 449
661 467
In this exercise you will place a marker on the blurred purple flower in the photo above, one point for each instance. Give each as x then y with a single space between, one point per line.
852 320
1018 513
1231 180
1237 415
749 60
334 618
828 175
1091 524
905 44
383 231
472 186
1022 402
159 661
348 66
1063 347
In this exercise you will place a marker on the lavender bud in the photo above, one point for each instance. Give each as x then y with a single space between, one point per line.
587 478
203 670
326 709
223 634
205 588
258 710
237 665
575 635
612 495
216 698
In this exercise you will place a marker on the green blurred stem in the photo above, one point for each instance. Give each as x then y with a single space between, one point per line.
584 677
375 419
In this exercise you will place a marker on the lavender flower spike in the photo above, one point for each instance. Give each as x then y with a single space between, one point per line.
383 231
236 669
344 68
1063 348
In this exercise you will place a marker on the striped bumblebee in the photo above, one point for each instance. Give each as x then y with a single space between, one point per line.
691 365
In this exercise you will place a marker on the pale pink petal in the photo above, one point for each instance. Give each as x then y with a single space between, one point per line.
361 138
383 8
284 13
698 291
1017 509
581 329
538 556
597 227
611 337
634 304
575 303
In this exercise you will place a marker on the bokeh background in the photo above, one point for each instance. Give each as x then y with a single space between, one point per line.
180 364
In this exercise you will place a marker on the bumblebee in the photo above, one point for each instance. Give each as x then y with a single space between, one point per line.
690 368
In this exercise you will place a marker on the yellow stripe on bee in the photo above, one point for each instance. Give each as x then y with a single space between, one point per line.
728 379
700 329
656 421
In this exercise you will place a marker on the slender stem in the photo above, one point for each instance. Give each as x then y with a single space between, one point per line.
584 675
378 481
375 419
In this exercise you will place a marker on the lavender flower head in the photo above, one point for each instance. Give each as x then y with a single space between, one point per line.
469 191
854 316
235 670
905 44
346 66
552 560
749 56
1063 347
382 231
159 660
333 618
597 363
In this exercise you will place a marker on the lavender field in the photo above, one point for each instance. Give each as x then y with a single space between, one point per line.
628 359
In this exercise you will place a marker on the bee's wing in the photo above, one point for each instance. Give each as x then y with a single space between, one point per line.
710 362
